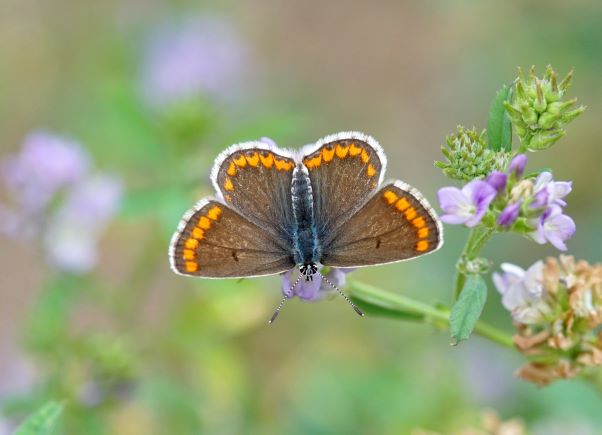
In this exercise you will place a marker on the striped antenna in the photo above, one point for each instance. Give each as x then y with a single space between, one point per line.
355 307
281 304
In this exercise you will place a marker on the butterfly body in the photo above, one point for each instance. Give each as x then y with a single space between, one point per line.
306 246
276 210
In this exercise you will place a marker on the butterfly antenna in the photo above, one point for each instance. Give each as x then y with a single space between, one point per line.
355 307
281 304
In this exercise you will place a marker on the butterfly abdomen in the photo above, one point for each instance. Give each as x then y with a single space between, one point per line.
305 238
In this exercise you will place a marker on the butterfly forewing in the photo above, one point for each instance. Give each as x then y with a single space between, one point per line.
396 224
255 179
214 241
344 169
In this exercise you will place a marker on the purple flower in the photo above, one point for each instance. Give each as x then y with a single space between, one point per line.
466 206
523 293
73 231
46 164
549 192
554 227
197 57
497 180
316 289
517 165
509 215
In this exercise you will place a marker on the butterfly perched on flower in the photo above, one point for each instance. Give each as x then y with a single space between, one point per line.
277 210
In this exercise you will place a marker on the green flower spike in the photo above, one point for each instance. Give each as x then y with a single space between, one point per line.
468 157
537 111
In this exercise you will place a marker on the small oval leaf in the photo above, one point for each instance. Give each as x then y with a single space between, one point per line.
466 311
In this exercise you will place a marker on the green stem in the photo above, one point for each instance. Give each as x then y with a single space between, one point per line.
476 241
376 297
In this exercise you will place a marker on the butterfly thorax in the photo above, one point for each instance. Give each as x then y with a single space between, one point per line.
306 246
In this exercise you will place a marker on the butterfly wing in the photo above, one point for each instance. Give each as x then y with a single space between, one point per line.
396 224
255 179
344 169
214 241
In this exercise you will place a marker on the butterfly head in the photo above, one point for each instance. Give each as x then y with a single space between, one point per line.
308 271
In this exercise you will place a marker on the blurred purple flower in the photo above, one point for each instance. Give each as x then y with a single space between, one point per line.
466 206
517 165
549 192
196 57
497 180
46 164
54 192
73 231
315 289
509 215
522 292
554 227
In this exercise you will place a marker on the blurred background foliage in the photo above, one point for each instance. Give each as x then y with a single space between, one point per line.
147 94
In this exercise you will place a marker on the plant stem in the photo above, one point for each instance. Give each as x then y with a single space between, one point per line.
476 241
435 316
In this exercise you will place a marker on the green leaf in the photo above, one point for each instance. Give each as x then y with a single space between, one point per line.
42 421
499 127
467 309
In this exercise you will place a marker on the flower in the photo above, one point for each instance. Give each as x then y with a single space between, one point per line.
466 206
315 289
468 157
557 308
509 215
58 199
549 192
517 165
192 58
498 180
74 230
523 293
45 164
553 226
537 111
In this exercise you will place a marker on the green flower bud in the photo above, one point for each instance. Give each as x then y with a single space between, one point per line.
468 157
537 111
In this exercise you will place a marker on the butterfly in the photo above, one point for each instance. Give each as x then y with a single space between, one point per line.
326 205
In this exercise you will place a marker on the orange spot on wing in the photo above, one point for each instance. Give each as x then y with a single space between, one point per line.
228 184
390 197
423 232
253 159
341 151
365 156
410 213
419 222
283 165
371 171
191 243
267 160
422 246
327 154
402 204
231 169
240 161
198 233
191 266
354 150
188 254
313 162
214 213
204 223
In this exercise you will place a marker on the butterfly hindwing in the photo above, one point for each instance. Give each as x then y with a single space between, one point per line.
344 169
214 241
255 179
396 224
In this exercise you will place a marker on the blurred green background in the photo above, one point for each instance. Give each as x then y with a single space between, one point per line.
153 91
